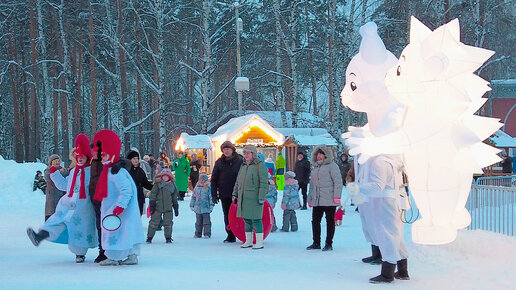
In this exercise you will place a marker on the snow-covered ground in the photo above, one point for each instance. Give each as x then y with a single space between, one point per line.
476 260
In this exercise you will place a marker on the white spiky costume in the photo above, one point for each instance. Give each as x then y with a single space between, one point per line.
439 137
379 179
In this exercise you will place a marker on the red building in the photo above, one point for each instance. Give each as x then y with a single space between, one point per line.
502 104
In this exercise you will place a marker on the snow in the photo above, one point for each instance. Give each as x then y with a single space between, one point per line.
196 141
476 260
236 125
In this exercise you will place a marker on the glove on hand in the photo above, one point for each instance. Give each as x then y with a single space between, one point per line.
283 206
235 199
310 204
215 199
176 212
336 200
261 201
118 210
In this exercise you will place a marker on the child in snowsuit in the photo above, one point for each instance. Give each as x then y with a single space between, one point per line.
290 202
339 214
202 205
162 199
272 197
73 222
39 182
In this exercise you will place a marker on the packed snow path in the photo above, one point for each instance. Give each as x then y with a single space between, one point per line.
476 260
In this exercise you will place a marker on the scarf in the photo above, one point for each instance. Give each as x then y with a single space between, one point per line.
102 189
82 189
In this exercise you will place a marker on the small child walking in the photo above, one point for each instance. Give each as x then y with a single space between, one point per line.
162 199
290 202
39 182
272 197
202 204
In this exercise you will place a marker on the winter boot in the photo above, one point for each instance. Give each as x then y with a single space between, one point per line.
314 246
387 274
131 260
259 241
327 247
109 262
101 257
36 238
168 240
402 273
375 250
149 240
248 240
79 258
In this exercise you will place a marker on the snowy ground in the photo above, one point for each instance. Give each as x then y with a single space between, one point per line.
476 260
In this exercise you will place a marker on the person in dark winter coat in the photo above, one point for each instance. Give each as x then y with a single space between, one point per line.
162 199
344 166
202 204
39 182
96 169
302 170
52 193
139 177
324 195
195 166
223 180
249 195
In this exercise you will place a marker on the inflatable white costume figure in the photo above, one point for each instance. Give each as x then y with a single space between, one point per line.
378 182
439 137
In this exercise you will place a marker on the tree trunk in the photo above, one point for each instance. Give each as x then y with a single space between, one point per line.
35 126
93 80
278 94
123 75
55 105
139 82
13 78
68 83
47 120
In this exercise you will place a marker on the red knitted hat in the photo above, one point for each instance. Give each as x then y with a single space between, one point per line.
82 145
110 143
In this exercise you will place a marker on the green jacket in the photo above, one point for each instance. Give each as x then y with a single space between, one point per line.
251 188
181 166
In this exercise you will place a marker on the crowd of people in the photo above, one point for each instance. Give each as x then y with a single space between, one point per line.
99 185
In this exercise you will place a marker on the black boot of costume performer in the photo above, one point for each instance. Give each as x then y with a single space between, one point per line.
387 274
402 273
101 257
36 238
375 255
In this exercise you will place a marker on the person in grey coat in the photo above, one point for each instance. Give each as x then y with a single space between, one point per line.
324 195
162 199
290 202
51 192
202 205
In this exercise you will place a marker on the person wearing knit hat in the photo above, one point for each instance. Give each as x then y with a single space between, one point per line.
52 193
139 177
249 195
290 202
73 223
223 178
117 193
162 199
302 168
202 205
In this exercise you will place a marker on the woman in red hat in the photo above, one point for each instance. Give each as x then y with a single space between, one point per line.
117 192
73 222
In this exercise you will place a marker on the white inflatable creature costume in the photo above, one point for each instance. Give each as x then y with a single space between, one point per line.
439 137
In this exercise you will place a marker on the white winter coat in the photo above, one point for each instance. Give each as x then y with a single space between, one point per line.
122 192
74 219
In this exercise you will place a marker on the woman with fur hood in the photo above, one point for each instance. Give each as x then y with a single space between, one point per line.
52 193
324 195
